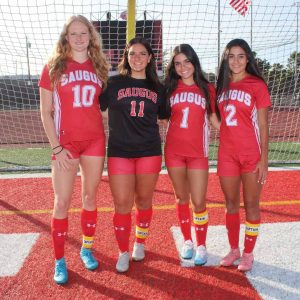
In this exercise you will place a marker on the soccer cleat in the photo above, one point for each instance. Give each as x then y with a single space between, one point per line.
230 258
138 252
123 262
88 259
187 250
61 273
201 256
246 262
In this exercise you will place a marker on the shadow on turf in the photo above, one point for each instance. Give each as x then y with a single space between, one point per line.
188 283
283 282
99 289
167 277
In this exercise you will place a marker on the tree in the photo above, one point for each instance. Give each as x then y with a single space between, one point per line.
277 78
293 71
263 65
293 64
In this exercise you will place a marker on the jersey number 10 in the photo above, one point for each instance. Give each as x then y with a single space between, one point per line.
83 97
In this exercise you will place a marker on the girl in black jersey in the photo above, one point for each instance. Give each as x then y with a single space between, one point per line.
134 101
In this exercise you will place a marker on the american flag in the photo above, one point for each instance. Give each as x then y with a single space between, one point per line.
241 6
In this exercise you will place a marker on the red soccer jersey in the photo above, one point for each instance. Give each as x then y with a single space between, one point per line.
188 130
239 130
77 115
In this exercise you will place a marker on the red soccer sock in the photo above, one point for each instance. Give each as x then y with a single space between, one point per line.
201 224
184 217
59 228
122 226
143 219
233 229
251 233
88 225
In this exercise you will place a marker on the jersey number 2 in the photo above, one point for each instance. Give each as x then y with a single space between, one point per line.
230 120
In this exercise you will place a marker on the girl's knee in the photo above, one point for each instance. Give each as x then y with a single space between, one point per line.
61 206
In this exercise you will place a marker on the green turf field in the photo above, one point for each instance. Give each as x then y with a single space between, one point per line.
36 159
24 158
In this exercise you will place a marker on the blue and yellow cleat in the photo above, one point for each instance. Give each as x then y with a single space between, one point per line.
61 273
201 256
88 259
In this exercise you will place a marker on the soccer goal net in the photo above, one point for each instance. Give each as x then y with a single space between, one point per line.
30 28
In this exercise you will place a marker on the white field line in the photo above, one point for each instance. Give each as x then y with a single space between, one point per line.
276 269
14 249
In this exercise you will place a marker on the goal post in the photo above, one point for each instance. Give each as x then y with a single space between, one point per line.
29 30
130 29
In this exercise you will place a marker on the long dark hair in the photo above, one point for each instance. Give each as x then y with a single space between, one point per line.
125 69
172 77
224 70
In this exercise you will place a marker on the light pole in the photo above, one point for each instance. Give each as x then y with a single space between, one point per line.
28 45
297 42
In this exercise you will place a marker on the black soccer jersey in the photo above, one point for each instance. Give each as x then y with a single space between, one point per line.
133 108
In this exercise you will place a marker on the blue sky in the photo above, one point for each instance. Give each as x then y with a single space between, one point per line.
274 27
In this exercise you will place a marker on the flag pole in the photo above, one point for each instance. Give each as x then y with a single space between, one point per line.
297 29
251 24
297 41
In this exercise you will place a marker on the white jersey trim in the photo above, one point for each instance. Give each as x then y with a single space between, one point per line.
255 126
57 112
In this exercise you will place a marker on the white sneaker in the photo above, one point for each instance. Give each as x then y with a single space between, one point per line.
123 262
138 252
201 256
187 250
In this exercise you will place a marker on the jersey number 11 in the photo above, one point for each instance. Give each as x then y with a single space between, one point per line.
140 110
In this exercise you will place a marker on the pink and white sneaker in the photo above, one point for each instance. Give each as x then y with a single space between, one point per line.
246 262
230 258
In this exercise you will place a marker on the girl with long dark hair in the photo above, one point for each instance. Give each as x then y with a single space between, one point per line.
134 102
242 104
191 100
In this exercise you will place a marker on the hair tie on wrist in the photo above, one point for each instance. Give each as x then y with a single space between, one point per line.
56 147
62 148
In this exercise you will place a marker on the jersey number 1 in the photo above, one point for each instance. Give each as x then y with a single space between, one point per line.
185 116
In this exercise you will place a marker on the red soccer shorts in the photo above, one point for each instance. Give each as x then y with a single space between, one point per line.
174 160
231 164
140 165
89 148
